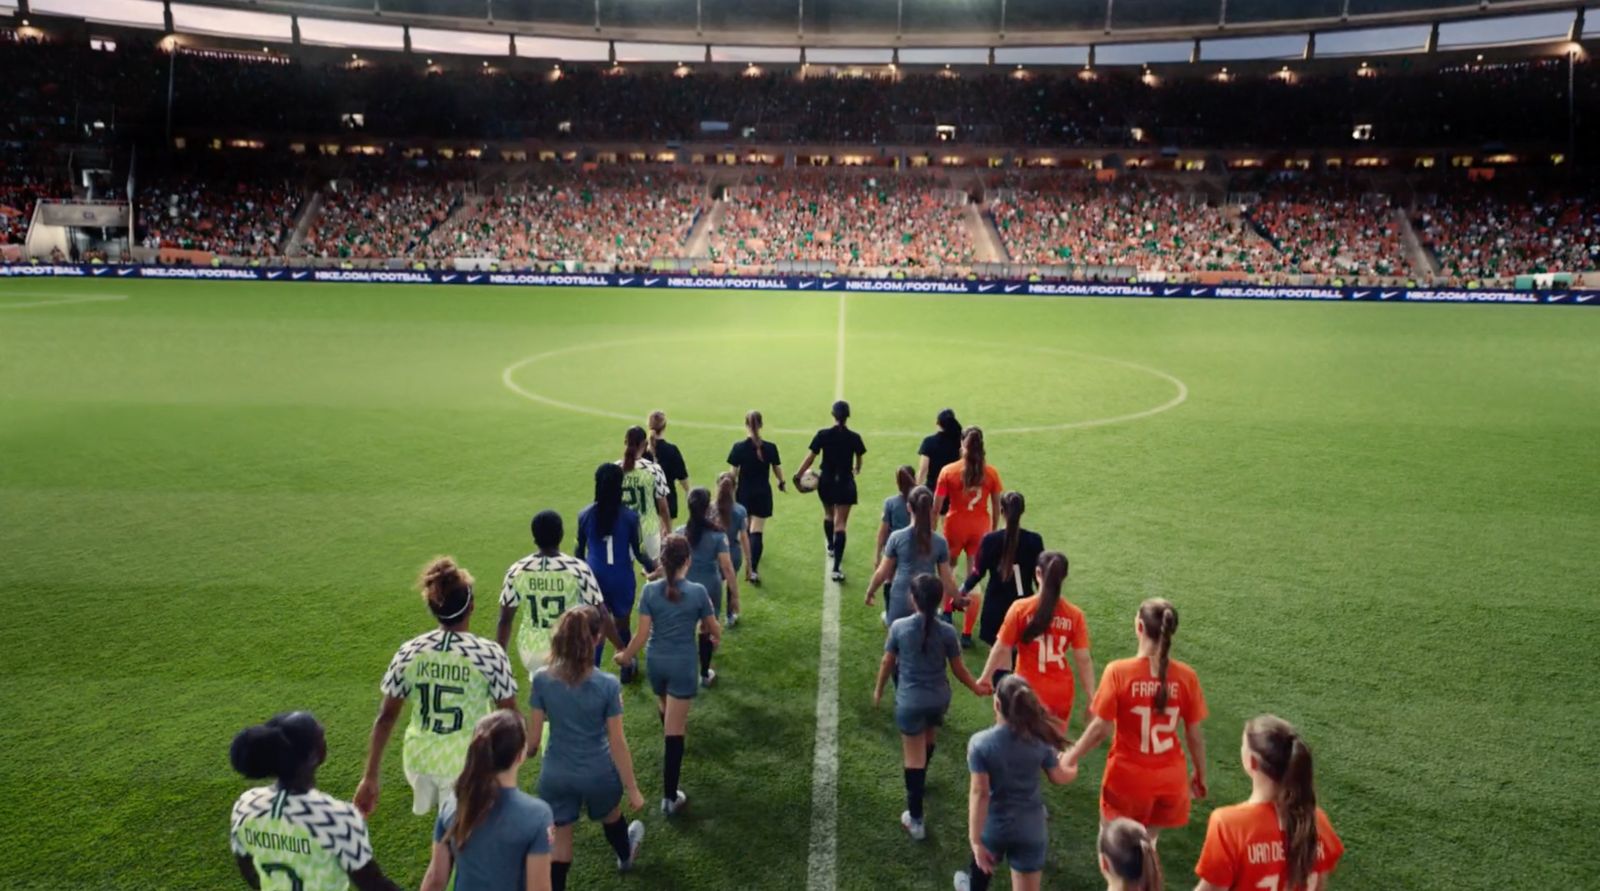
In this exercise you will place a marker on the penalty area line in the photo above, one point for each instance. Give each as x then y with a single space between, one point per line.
821 862
61 300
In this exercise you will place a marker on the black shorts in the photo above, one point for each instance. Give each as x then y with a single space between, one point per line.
757 500
837 490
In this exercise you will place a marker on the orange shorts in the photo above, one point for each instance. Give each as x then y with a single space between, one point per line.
964 532
1156 803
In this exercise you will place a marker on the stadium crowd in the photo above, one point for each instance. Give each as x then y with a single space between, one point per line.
239 218
1488 232
367 217
852 221
1327 227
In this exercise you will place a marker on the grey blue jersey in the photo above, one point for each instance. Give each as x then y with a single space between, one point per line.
1014 764
705 563
922 666
908 564
306 841
577 717
736 525
674 625
896 513
496 853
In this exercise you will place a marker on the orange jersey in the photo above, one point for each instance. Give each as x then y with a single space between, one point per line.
1045 661
1147 741
967 504
1244 848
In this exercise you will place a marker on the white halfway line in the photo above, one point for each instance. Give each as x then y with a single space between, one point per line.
838 362
63 300
820 864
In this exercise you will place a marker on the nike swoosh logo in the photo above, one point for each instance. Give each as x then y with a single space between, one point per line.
1012 288
650 281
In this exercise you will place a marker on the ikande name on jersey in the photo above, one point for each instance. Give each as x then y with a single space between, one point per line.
428 670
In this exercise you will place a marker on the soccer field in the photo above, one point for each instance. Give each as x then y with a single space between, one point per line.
1377 521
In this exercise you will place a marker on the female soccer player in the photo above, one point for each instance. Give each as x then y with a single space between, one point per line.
939 449
609 541
667 457
587 764
896 515
735 522
1005 810
709 567
492 835
290 833
920 648
970 489
1128 857
1278 840
1142 698
912 551
671 611
645 489
841 449
552 583
456 678
1042 632
753 459
1008 557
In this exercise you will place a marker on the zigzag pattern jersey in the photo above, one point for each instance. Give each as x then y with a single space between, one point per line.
550 586
453 679
299 842
641 486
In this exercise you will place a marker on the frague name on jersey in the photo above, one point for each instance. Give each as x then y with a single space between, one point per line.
1141 689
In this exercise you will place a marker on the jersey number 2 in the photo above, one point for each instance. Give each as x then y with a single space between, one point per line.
283 869
433 707
1156 736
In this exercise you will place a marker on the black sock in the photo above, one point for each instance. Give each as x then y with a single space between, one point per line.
755 552
977 879
671 767
705 654
838 549
827 533
558 875
916 783
617 834
929 759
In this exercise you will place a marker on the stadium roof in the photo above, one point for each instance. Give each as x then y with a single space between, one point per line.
1360 26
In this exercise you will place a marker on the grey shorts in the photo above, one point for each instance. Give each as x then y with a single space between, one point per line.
1023 853
569 794
913 720
678 678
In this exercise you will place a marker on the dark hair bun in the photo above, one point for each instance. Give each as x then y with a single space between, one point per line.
260 751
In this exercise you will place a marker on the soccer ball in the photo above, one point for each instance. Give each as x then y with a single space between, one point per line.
807 482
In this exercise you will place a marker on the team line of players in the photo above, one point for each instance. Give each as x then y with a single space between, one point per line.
466 739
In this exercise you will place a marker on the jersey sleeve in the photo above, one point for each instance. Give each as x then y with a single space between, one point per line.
888 509
1011 627
1050 759
536 691
1079 640
613 697
722 543
589 593
1104 706
816 442
704 608
891 643
663 485
239 850
941 488
441 823
672 464
646 599
941 550
772 450
977 760
1217 862
502 681
733 454
397 680
860 444
539 838
1194 704
952 643
1330 847
508 590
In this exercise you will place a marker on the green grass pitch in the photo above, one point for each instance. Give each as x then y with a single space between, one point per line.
1377 521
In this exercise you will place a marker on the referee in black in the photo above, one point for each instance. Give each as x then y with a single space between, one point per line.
841 449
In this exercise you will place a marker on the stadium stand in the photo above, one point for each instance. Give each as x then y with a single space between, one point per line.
1498 232
1328 227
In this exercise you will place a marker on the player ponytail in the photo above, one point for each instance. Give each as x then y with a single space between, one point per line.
283 747
1053 573
1286 760
675 553
1160 620
841 412
633 443
752 422
657 422
972 460
447 588
725 503
699 521
1011 507
1024 714
1128 855
607 498
572 645
905 479
497 743
920 501
927 592
949 427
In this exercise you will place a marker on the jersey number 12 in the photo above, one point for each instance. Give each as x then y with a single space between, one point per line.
1157 736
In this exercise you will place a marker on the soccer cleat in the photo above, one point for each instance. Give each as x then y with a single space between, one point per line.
963 882
670 806
733 619
884 618
830 553
754 578
709 678
966 642
635 842
838 575
914 828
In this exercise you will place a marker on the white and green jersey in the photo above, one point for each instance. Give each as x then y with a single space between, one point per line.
299 842
549 586
641 486
454 679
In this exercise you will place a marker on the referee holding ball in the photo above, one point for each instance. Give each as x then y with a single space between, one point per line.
841 449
